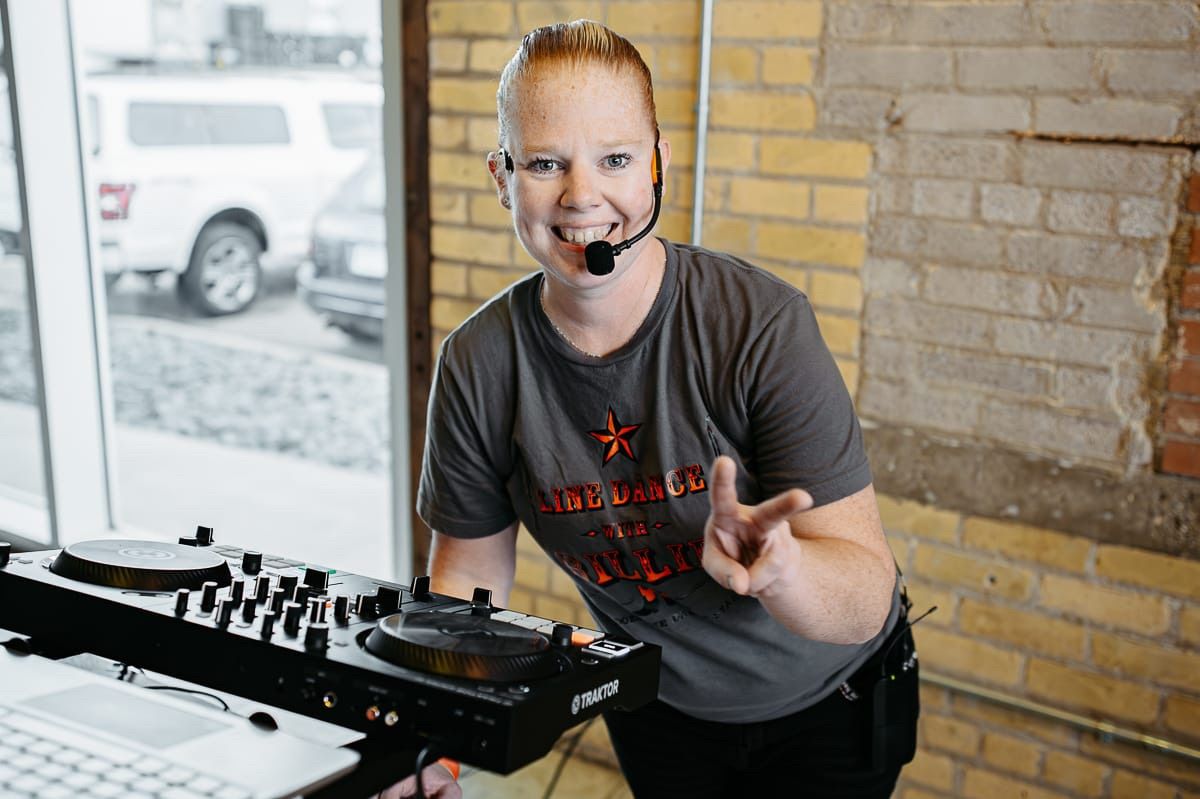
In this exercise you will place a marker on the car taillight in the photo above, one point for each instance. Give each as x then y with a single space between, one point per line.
114 200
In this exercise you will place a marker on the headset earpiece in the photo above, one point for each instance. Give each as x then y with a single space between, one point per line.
508 162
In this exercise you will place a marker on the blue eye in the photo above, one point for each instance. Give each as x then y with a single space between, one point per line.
542 165
617 160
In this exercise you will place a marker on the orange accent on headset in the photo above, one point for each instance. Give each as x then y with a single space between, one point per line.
451 765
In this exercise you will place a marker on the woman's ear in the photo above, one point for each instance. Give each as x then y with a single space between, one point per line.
495 164
664 153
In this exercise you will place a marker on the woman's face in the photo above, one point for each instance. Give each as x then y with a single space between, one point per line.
582 144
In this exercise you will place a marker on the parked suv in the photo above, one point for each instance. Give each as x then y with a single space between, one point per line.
216 176
343 281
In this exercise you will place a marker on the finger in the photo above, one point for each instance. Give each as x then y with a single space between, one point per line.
726 570
771 563
723 492
780 508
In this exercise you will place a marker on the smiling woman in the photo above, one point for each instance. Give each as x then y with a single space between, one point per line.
579 401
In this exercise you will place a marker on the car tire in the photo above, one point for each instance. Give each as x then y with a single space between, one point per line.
224 275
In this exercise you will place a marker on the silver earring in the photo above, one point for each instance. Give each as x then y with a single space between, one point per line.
506 202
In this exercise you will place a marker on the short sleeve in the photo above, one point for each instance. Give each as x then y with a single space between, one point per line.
462 492
802 419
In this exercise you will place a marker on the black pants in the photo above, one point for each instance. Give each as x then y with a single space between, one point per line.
822 751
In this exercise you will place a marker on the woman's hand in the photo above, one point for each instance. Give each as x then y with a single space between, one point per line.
439 784
748 548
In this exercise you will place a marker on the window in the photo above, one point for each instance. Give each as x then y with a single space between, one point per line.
352 125
185 124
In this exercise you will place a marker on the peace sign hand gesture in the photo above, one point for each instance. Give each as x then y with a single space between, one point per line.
748 549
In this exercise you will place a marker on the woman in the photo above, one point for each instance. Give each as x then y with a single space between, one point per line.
621 415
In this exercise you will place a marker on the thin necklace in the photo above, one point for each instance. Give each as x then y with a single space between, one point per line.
565 337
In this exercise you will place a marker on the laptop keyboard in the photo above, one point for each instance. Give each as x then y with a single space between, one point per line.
41 760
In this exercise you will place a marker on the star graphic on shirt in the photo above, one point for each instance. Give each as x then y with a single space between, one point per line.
616 438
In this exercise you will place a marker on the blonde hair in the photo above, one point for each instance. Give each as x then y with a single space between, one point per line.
575 44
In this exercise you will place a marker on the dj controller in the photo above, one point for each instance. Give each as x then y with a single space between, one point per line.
491 687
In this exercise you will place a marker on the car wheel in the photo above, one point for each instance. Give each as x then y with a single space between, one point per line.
224 275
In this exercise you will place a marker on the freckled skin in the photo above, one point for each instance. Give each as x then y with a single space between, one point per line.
575 118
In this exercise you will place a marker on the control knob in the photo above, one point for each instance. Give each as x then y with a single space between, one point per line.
251 563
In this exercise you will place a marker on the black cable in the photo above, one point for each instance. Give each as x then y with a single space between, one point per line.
423 759
567 752
908 625
205 694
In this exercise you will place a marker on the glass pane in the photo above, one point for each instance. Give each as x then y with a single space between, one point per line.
248 383
22 485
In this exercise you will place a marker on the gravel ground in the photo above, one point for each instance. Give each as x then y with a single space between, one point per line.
295 404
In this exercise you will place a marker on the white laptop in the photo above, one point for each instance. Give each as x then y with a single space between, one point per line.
66 732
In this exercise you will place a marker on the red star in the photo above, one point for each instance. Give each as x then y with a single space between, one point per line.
616 438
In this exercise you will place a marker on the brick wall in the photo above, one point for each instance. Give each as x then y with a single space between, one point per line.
984 202
1181 418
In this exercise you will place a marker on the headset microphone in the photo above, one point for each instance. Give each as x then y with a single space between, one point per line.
601 255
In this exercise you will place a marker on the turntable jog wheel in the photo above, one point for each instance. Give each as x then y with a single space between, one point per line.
461 645
141 565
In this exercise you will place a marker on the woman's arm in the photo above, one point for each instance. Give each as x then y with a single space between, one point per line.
824 573
458 565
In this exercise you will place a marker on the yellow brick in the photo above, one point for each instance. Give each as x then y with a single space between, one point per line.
1027 543
447 133
1074 688
561 583
448 279
1174 575
491 55
729 235
768 20
979 784
846 204
849 371
448 206
469 95
1078 775
1014 721
676 225
1183 715
841 333
482 136
1127 785
734 64
668 17
435 342
978 574
1011 754
532 15
675 106
787 66
817 157
486 211
949 734
1160 765
465 244
926 521
931 769
533 573
1030 631
925 596
836 290
683 151
715 189
1154 663
447 55
759 197
934 698
946 653
916 793
758 111
461 171
446 313
675 62
731 151
794 275
556 608
1147 615
469 16
1189 624
521 599
794 242
487 283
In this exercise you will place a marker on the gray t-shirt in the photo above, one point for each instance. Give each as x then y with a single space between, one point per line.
605 462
